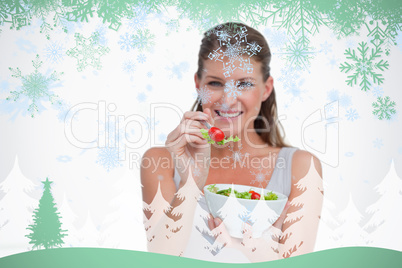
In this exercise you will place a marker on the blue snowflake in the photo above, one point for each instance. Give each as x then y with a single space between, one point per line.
149 87
63 109
141 97
377 91
178 70
129 66
162 137
141 58
333 62
138 21
101 30
151 123
125 42
344 100
276 38
377 143
150 74
64 158
326 47
292 82
108 157
54 52
352 114
26 45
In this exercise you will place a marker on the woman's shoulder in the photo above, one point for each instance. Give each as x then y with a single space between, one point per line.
156 158
157 151
302 161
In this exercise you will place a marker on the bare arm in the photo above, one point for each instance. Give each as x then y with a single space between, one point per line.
168 232
306 198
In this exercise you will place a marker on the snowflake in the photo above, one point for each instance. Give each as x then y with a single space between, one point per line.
143 40
64 158
141 97
129 66
54 52
364 66
276 38
377 91
162 137
377 143
224 106
172 25
35 86
63 109
204 95
101 30
234 88
383 107
237 155
125 42
292 82
297 54
260 177
178 70
150 74
138 21
333 62
196 172
344 100
326 47
352 114
87 51
234 51
151 123
141 58
149 87
108 157
299 18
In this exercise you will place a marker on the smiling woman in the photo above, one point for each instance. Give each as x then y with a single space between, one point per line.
235 94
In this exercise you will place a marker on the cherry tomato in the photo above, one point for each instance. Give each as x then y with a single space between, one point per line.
216 134
255 195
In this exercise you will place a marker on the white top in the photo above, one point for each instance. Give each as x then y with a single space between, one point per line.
201 245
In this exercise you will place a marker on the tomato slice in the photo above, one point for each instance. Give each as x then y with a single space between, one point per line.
216 134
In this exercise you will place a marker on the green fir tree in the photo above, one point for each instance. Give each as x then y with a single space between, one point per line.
46 229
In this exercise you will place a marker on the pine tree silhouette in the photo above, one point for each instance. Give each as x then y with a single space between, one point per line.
46 230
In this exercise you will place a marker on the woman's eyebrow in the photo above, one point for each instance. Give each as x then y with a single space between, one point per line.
246 78
213 77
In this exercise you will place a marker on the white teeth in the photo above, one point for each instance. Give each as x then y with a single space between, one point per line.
229 115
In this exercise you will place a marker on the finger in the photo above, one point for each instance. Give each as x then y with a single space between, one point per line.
185 139
187 127
197 115
211 119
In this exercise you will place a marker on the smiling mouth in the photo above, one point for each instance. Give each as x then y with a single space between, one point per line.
227 114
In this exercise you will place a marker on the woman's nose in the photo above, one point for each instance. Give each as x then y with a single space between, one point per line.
229 96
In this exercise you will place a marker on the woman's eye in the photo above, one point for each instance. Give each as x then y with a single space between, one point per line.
215 84
246 84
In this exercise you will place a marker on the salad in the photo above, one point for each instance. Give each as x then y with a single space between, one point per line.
244 195
214 134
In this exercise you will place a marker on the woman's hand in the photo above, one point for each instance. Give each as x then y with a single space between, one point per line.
256 245
187 146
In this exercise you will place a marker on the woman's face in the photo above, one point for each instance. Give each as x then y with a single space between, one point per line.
235 101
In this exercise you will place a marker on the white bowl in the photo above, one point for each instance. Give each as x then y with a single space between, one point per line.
234 212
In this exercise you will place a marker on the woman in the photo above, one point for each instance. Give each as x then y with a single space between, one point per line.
236 94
